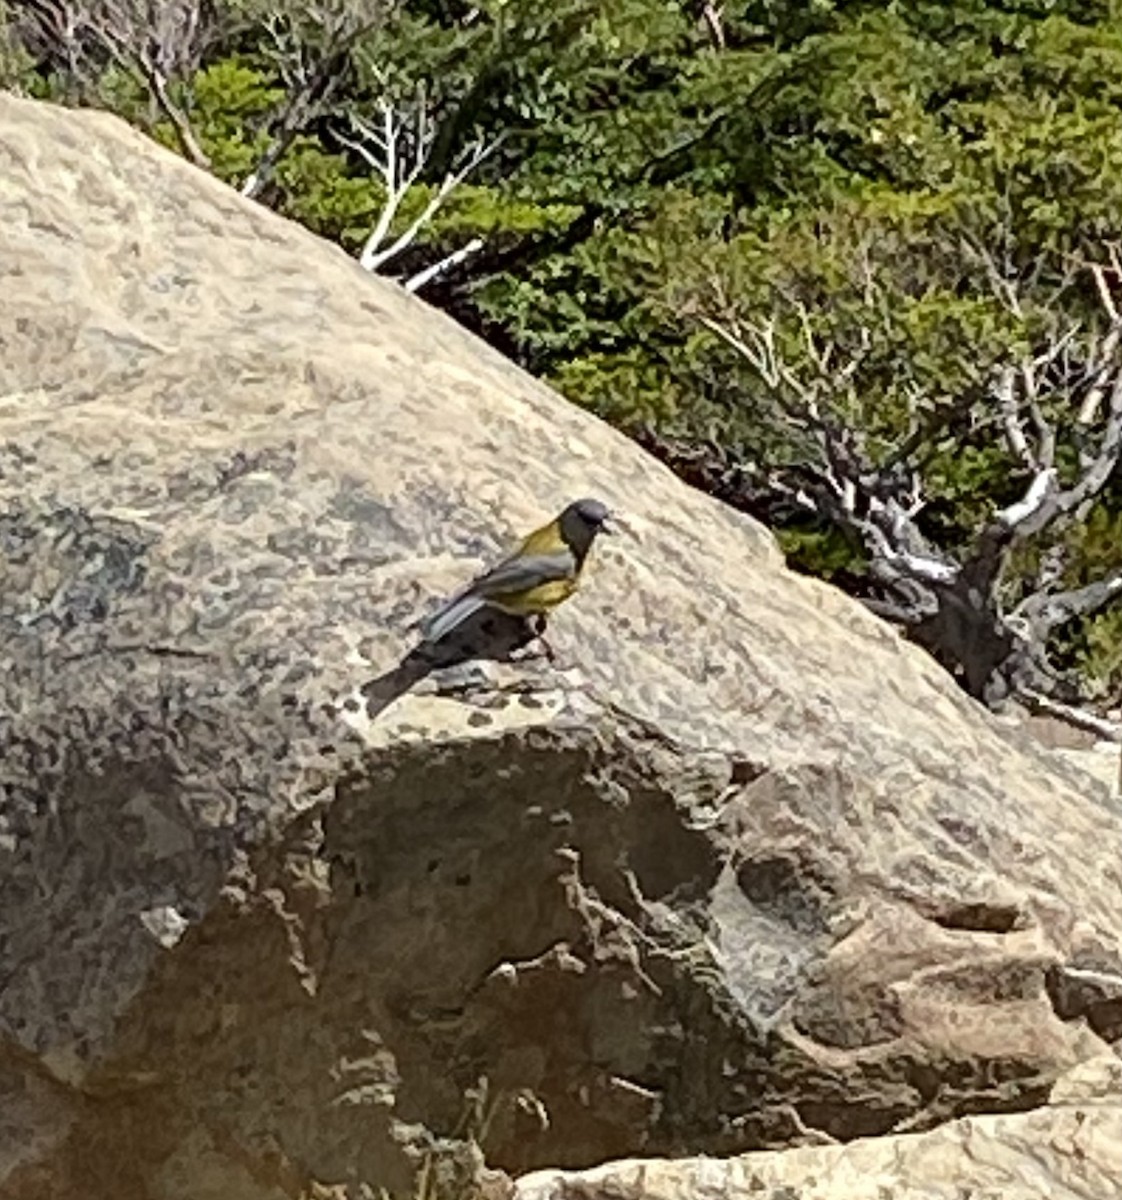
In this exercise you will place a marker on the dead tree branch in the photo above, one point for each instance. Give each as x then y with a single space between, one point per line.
415 282
1071 379
1109 731
311 55
712 18
396 145
155 41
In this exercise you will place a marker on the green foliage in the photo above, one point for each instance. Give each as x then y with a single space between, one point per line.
819 550
1095 644
229 103
16 73
320 191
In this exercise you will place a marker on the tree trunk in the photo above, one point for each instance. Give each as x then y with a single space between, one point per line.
970 641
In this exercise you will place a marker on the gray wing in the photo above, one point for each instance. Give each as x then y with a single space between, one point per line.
515 574
521 572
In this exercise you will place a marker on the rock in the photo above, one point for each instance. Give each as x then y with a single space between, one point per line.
1101 761
1069 1150
286 908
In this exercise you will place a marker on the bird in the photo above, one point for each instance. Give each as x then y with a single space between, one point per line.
535 578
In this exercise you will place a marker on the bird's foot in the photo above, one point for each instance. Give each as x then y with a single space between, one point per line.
547 652
536 627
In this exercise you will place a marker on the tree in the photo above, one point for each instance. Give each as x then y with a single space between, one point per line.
852 432
398 146
156 42
309 46
313 63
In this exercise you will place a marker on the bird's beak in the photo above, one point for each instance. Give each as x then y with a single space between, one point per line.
610 525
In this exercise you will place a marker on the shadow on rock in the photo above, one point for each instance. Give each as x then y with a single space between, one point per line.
488 635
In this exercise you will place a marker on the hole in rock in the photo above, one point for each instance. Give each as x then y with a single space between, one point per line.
788 890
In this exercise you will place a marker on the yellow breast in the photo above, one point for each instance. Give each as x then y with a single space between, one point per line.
539 599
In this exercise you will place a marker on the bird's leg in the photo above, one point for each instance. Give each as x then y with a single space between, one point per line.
539 631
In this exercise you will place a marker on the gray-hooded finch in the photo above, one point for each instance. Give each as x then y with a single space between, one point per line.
543 571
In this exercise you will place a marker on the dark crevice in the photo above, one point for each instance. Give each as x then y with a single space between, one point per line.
1095 996
980 918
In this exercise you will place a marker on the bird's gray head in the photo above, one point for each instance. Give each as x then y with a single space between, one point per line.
581 522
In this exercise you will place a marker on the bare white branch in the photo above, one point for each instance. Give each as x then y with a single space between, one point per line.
418 281
1103 979
1004 288
381 148
153 40
398 147
1005 393
953 604
759 353
1103 289
1031 502
1109 731
310 48
711 15
1105 364
915 566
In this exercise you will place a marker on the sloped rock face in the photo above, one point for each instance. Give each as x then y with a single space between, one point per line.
282 905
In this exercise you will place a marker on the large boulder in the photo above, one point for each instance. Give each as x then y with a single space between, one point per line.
283 905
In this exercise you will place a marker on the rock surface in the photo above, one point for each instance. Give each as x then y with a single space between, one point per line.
1071 1150
283 906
